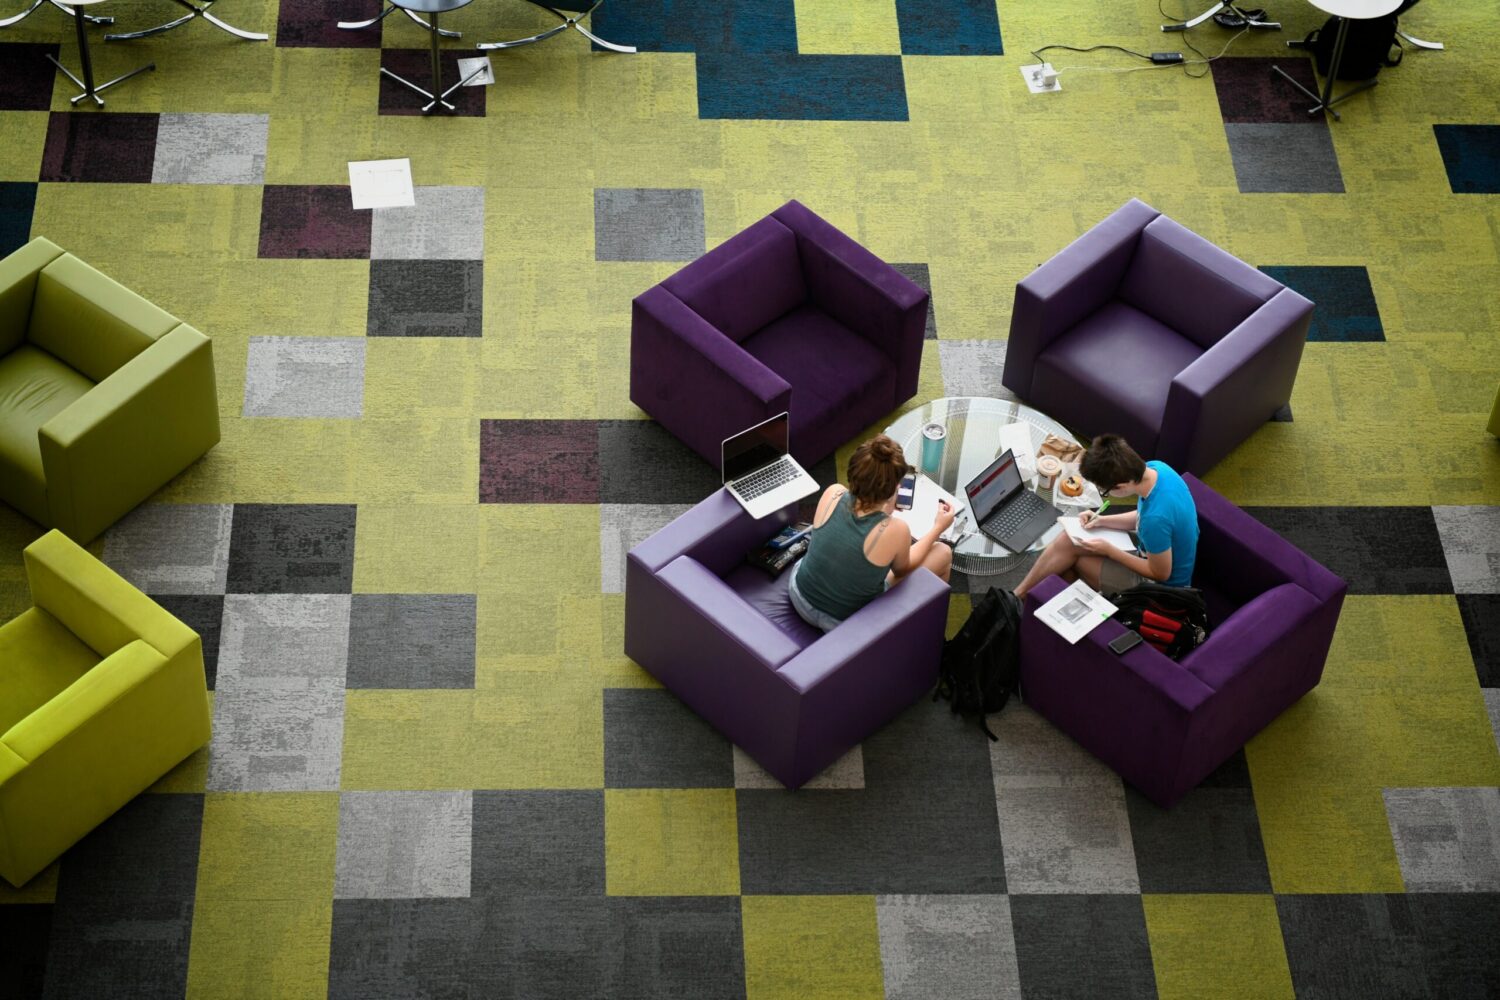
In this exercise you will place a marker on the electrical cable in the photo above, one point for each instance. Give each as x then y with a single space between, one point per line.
1204 59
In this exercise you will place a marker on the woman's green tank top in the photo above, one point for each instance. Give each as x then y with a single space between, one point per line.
836 577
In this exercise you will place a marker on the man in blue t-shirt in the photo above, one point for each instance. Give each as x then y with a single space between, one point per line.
1165 519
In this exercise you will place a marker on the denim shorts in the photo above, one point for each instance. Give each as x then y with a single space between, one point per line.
810 614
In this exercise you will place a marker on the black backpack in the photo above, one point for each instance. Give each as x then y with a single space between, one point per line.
1172 619
1367 48
981 665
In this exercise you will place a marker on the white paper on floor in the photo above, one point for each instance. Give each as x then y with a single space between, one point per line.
467 66
381 183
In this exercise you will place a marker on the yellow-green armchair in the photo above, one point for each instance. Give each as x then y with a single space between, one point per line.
103 396
101 693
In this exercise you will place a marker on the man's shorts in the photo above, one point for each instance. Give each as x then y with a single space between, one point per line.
1113 578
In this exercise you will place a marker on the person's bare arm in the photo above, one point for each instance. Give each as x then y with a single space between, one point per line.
890 543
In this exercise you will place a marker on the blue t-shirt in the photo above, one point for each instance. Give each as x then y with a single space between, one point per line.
1169 520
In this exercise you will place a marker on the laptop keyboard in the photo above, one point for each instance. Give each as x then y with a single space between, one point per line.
760 483
1015 514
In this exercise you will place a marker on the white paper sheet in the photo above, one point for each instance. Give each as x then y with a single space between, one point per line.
467 66
924 509
1119 539
1075 612
1017 437
381 183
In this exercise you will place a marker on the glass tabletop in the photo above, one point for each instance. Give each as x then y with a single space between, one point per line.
972 442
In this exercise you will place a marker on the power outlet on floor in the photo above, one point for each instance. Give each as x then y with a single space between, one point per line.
1041 78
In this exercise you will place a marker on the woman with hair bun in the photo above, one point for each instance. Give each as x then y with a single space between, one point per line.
857 549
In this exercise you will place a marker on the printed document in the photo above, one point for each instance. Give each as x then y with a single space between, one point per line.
1075 612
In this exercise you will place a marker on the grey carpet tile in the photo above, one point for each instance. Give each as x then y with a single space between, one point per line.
623 526
26 929
1066 839
1427 945
538 843
401 948
1481 617
404 844
1492 708
919 275
1277 158
1209 842
446 223
1082 946
277 740
292 549
947 948
974 368
426 298
412 640
1471 544
1447 839
172 548
648 224
846 772
204 614
283 642
652 740
305 377
211 149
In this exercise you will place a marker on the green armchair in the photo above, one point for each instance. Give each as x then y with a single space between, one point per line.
101 693
103 396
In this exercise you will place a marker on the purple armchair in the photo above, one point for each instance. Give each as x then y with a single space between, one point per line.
724 637
1145 329
790 316
1164 725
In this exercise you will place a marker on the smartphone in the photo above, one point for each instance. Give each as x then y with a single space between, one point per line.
1123 643
906 492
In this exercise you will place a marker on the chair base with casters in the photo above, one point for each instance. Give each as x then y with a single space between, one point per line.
569 20
194 11
1216 8
37 4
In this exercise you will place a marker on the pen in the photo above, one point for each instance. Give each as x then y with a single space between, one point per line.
1102 508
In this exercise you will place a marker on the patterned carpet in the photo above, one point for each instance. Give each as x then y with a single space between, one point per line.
433 772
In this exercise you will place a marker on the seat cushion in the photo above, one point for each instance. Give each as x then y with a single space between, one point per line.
1111 374
91 321
840 381
768 595
38 659
34 387
745 282
1191 285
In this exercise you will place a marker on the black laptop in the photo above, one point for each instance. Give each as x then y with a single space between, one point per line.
1005 509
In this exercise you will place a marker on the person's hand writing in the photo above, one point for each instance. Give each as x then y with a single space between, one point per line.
944 518
1088 519
1094 546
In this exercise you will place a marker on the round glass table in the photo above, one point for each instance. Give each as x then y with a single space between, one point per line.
972 443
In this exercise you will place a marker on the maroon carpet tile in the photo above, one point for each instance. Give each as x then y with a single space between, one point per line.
416 66
1250 93
313 24
98 147
312 221
26 77
538 461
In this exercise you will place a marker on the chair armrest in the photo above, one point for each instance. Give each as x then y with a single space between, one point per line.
865 672
1075 283
1235 386
697 382
862 292
717 533
129 435
95 603
86 698
18 274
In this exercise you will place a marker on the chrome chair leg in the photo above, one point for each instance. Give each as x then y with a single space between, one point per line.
1231 5
1417 43
18 18
194 11
570 20
389 10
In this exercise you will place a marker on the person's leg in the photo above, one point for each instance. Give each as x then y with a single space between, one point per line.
1090 570
1058 557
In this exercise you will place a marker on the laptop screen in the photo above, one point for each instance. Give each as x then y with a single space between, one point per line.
992 486
760 445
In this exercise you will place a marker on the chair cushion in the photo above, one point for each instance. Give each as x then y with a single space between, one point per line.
768 595
1111 374
34 387
835 374
38 659
91 321
745 282
1191 285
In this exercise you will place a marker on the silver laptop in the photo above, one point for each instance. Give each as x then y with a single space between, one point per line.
760 473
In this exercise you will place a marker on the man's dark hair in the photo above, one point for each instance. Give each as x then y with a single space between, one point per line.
1110 462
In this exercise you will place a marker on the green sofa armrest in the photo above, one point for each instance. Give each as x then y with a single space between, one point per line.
95 603
95 746
18 288
129 435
